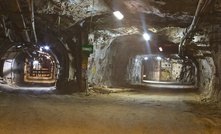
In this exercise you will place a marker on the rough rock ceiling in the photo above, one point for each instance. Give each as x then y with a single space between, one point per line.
156 13
61 15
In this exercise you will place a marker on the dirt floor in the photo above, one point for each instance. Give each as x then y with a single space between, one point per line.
131 112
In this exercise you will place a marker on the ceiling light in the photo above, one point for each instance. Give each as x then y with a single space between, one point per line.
19 46
118 14
46 47
159 58
161 49
35 62
146 36
145 58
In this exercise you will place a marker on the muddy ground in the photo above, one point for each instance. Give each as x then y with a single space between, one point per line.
130 112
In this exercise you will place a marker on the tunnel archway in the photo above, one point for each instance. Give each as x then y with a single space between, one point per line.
166 71
60 54
122 65
40 69
22 66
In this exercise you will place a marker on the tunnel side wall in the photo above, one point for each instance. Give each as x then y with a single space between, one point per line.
108 65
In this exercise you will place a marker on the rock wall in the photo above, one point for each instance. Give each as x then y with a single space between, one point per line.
215 40
99 62
108 64
218 73
134 70
207 66
122 50
207 77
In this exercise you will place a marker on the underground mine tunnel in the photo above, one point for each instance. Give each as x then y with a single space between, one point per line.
72 44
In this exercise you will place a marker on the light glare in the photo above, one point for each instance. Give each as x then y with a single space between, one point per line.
118 14
19 46
145 58
146 36
46 47
159 58
161 49
35 62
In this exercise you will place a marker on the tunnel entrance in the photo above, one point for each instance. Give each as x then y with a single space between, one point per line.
162 71
168 69
43 65
40 69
